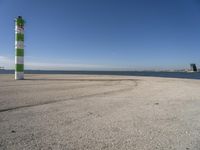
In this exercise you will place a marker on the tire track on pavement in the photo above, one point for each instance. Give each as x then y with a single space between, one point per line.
130 87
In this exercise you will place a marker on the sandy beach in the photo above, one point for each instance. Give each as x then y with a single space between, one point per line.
77 112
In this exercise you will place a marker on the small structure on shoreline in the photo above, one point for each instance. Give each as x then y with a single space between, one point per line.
193 68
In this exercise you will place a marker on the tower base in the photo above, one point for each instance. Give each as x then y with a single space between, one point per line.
19 75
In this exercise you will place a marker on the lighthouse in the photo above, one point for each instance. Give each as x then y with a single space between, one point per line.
19 48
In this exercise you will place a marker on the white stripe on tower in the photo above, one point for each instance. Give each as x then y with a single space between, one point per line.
19 48
19 44
18 30
19 60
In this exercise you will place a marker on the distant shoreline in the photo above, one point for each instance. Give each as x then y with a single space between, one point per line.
167 74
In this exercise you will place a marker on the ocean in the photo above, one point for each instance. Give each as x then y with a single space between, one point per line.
187 75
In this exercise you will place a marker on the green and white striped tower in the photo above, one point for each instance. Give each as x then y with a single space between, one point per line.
19 48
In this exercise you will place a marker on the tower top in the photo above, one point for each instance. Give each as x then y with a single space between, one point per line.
20 21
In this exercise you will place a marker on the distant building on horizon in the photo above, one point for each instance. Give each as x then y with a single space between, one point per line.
193 68
2 68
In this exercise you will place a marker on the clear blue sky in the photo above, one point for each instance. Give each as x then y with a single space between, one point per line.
103 34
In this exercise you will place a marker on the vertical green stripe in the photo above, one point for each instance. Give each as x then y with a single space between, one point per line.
19 67
19 52
20 22
20 37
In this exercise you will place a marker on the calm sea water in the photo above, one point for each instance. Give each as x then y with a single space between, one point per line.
188 75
